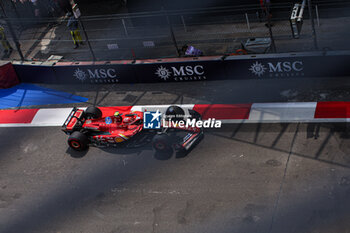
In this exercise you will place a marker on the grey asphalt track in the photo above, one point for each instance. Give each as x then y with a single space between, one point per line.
242 178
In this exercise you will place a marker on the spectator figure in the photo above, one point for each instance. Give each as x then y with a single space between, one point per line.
52 8
36 8
191 51
74 30
59 10
266 7
4 42
65 5
263 12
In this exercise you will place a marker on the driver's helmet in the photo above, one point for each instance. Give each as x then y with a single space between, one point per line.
118 117
128 120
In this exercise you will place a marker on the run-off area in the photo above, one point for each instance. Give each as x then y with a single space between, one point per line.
241 178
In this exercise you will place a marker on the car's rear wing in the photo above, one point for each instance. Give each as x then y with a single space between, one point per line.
73 118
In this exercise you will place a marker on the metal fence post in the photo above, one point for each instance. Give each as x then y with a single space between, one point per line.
312 25
87 39
8 22
125 29
16 12
317 16
183 22
172 33
246 17
273 45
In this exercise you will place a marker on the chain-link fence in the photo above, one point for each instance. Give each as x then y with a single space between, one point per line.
162 34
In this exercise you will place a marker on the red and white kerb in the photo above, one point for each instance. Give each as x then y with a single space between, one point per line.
227 113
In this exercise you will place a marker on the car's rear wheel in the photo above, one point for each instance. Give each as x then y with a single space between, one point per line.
78 141
161 143
93 113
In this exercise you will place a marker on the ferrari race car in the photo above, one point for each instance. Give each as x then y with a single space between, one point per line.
125 127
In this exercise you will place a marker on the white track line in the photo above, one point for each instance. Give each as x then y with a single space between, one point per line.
51 117
283 112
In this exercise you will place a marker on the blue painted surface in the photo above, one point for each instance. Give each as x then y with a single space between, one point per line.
29 94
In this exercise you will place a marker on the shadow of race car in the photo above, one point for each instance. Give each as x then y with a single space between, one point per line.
93 127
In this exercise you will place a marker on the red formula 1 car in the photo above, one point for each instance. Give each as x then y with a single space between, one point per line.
91 127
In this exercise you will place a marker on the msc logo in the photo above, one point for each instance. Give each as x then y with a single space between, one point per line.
258 69
79 74
96 74
163 73
188 70
286 67
151 120
181 73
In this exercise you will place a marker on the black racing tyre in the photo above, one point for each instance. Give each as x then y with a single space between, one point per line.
78 141
194 114
161 142
93 113
175 113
